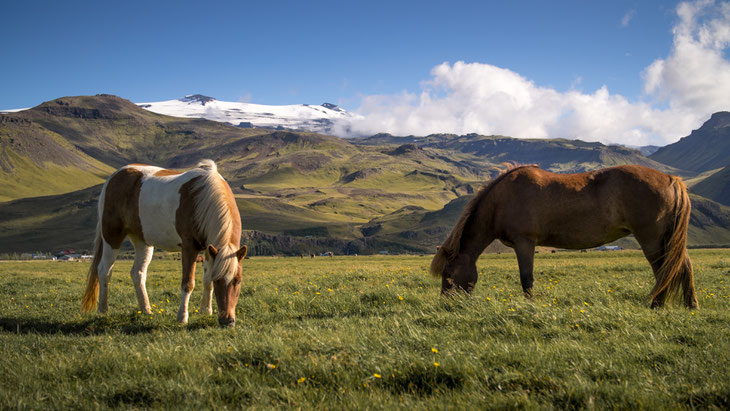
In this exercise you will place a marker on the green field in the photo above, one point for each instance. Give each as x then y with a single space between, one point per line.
371 332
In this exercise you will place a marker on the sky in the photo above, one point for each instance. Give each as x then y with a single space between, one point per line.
629 72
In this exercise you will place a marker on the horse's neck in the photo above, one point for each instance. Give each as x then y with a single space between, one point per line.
477 234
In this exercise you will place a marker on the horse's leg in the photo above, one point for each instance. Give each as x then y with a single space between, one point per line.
525 251
108 256
654 253
189 254
142 257
205 304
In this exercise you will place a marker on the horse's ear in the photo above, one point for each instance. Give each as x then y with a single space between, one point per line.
212 250
241 252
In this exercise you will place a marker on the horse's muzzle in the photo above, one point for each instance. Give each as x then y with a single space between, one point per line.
227 322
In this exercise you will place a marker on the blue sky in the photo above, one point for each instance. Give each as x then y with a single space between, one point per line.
369 57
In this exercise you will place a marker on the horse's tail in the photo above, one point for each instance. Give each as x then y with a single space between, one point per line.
88 302
676 268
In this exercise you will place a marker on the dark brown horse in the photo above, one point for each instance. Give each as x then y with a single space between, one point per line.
526 206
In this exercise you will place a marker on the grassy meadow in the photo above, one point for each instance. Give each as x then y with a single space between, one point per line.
371 332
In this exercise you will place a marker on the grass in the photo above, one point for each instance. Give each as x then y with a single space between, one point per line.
371 332
29 179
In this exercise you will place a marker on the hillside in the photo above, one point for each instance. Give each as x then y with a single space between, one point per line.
49 223
307 169
706 148
275 227
298 192
715 187
117 132
557 155
36 161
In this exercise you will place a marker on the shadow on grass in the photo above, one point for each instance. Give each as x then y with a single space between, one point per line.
131 324
93 326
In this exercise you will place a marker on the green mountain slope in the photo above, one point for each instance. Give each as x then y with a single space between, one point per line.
35 161
117 132
297 192
556 155
49 223
706 148
715 187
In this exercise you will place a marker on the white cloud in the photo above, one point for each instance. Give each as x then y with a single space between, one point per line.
681 92
626 19
695 77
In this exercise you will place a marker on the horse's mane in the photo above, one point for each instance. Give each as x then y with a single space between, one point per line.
450 247
213 216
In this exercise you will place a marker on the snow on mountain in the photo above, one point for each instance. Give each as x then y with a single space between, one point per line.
295 117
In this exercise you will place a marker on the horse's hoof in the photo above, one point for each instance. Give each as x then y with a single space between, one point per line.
527 294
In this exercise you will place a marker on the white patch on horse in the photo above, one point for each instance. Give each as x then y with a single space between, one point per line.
159 199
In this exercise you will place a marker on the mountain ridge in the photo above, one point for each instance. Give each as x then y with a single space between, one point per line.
704 149
293 189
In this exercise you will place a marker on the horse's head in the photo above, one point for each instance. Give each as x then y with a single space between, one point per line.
458 271
224 267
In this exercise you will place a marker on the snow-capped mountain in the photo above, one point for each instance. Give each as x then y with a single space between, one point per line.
295 117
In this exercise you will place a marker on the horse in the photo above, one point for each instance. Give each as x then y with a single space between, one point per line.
187 211
525 206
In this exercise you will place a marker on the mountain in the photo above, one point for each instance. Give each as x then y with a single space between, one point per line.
715 187
35 161
116 131
74 142
298 192
706 148
557 155
300 117
49 223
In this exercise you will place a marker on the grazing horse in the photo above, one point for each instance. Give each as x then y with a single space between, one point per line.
525 206
191 211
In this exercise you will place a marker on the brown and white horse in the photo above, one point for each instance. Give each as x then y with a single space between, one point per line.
154 207
526 206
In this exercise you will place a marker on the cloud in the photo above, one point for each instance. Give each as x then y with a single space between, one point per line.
681 91
695 77
626 19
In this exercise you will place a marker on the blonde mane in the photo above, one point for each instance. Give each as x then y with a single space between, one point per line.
450 247
214 218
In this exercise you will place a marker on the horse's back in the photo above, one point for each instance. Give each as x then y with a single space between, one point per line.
141 201
580 210
159 201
